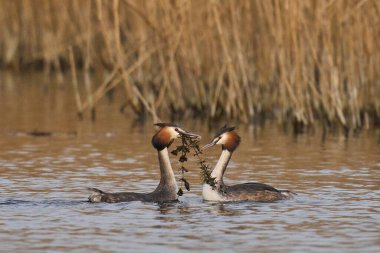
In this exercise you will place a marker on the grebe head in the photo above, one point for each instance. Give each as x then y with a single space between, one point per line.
227 137
167 133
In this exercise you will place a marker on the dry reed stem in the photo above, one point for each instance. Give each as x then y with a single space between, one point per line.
75 83
299 60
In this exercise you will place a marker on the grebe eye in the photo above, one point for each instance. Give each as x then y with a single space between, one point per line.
176 129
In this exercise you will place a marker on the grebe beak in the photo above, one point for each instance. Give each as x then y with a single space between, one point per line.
188 134
209 145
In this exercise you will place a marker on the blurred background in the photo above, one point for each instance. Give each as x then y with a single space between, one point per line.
298 63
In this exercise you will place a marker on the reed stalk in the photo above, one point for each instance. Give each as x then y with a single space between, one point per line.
300 61
74 81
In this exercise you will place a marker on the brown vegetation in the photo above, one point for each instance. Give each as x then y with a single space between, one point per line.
298 61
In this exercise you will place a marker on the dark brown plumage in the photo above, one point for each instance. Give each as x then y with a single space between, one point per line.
232 142
162 139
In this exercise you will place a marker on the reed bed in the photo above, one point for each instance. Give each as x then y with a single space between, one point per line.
298 61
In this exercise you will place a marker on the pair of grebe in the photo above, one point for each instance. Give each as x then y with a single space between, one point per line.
167 188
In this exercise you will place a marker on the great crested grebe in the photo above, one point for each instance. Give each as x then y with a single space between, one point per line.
167 188
230 140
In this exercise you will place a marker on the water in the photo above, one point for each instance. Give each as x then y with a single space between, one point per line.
43 184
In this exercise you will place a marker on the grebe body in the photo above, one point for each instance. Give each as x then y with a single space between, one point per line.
167 188
230 140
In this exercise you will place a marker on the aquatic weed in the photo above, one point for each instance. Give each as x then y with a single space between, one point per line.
184 149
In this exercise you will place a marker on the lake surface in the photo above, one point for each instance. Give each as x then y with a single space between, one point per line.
43 184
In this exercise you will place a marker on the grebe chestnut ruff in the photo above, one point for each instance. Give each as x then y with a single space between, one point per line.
167 188
230 140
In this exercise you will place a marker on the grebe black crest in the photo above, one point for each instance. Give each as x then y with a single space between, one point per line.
230 140
167 188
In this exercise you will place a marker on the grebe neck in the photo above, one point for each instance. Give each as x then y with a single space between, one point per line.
166 171
221 166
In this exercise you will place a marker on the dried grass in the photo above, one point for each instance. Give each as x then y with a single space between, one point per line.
302 61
